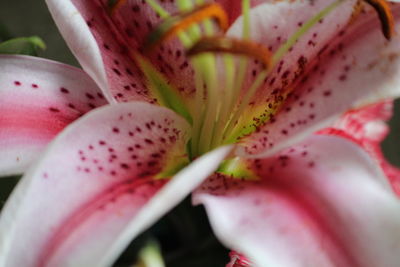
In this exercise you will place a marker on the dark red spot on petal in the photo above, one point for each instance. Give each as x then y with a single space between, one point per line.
148 141
327 93
54 109
90 96
64 90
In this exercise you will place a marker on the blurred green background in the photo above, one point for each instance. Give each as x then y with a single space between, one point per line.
20 18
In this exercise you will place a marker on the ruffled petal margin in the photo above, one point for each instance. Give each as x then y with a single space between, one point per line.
367 127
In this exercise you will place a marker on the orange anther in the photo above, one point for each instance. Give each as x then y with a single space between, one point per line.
177 23
385 16
232 46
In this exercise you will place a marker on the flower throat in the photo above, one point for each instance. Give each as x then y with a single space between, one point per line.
218 110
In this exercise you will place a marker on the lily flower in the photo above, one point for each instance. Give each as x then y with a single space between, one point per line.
246 111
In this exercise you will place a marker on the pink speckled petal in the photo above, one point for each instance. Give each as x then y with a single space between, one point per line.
359 66
94 178
366 126
233 8
323 202
104 42
100 49
270 29
38 98
134 21
175 191
104 45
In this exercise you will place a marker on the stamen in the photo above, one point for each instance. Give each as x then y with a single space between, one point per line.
232 46
385 16
235 81
178 23
241 72
229 46
238 47
204 68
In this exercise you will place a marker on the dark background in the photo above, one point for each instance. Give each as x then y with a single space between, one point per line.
20 18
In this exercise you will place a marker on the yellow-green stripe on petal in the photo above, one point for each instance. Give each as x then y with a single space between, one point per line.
165 94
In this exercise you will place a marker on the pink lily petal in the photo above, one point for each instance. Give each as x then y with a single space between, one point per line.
269 29
321 203
95 188
102 51
101 168
134 21
366 126
38 98
174 192
356 66
104 45
234 7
